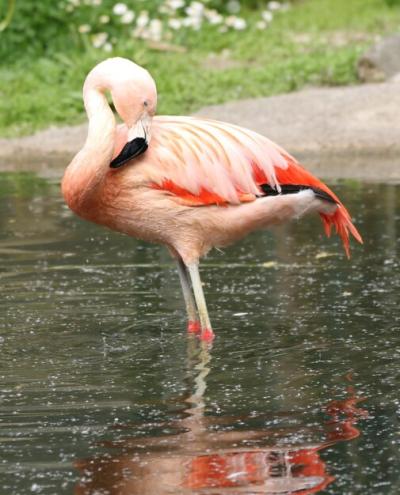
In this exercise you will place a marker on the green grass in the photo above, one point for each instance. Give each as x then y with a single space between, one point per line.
317 42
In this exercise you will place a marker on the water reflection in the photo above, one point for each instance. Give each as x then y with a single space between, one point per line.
95 364
206 454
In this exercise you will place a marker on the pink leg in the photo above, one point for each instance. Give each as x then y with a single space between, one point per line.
193 321
207 333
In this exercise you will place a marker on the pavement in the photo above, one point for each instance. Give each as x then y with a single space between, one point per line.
342 132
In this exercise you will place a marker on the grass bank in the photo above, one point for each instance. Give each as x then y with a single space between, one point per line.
315 42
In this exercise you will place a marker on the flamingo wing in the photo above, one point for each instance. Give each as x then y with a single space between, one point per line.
204 162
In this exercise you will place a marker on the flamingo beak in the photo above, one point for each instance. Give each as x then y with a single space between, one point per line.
138 142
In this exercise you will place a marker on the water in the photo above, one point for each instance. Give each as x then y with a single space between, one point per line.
102 391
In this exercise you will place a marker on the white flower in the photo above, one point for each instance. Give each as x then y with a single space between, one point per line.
99 39
174 23
261 25
197 6
195 10
84 28
120 9
233 6
175 4
193 22
104 19
142 19
107 47
128 17
213 17
194 13
151 32
235 22
155 29
274 5
267 16
239 24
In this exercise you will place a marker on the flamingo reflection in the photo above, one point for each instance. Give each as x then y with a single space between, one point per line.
199 458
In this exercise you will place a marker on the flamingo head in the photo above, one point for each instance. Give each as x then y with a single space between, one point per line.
134 95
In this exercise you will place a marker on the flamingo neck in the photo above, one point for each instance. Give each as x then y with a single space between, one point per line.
85 175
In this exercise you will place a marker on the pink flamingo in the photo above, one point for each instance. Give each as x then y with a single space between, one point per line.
188 183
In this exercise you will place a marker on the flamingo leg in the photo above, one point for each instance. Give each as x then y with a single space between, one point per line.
206 330
193 323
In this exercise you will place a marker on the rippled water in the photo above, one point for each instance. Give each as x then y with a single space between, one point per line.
102 391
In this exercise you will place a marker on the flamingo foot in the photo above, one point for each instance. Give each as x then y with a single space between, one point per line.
193 326
207 335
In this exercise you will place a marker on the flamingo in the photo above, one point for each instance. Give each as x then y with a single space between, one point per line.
186 182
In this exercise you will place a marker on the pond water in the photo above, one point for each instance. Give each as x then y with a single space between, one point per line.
103 392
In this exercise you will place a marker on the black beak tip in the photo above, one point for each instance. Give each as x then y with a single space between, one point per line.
131 150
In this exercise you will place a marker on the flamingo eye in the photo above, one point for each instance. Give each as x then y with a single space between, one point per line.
146 103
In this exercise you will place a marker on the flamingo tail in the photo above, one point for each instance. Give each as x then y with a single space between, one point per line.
340 219
343 226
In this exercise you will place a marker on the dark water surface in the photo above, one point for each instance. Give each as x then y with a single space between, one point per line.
102 391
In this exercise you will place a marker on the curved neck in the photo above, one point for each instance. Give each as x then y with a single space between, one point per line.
101 118
85 174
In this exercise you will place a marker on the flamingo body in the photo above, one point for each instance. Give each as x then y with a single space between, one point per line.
200 183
